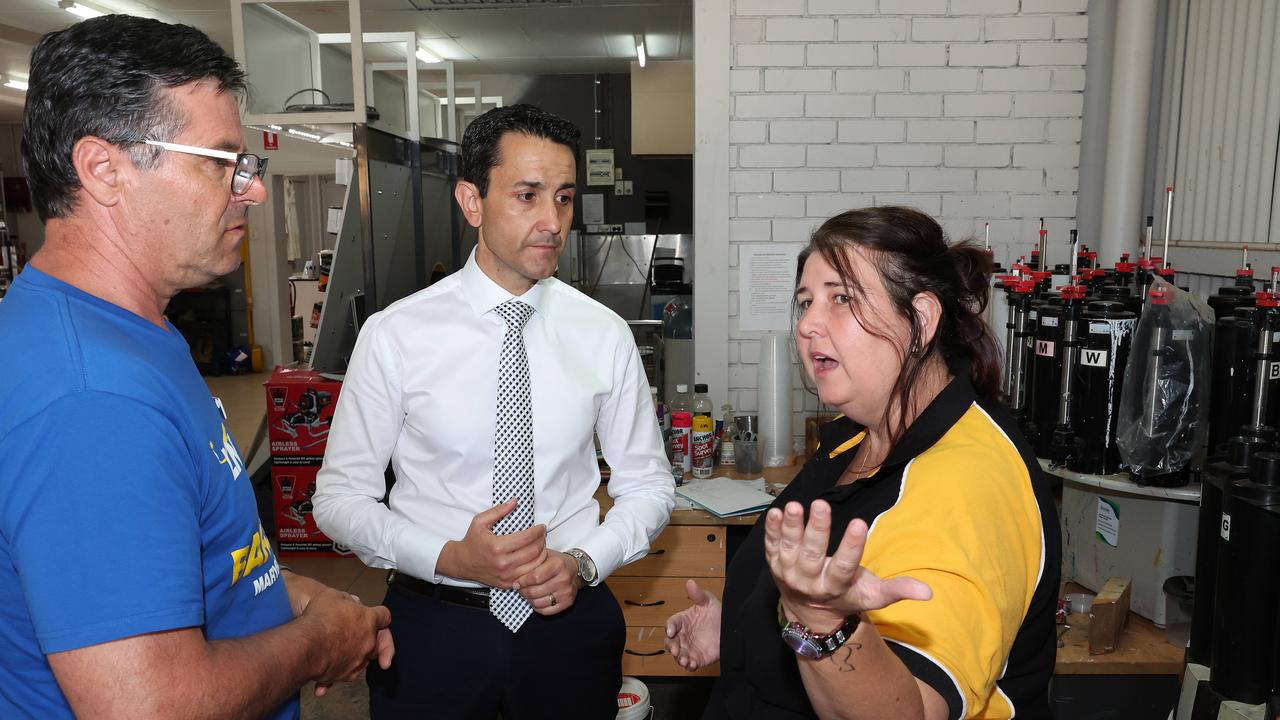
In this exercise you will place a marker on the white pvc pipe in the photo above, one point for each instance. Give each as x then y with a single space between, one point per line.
1127 127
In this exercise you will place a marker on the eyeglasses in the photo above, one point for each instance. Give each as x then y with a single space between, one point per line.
248 165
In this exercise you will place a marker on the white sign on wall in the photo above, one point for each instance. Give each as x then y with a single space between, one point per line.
766 285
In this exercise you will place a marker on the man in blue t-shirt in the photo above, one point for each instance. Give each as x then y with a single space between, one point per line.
135 578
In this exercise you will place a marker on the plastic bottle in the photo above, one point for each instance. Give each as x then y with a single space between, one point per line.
726 436
703 439
682 401
664 419
681 429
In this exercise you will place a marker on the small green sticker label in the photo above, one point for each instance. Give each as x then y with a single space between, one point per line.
1107 527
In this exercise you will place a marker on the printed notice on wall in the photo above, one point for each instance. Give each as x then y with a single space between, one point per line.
766 284
592 208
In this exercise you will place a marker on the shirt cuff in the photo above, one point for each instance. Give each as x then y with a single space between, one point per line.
418 551
604 552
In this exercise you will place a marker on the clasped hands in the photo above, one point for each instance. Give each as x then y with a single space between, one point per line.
520 561
816 589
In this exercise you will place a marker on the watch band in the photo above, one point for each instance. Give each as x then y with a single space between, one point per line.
806 643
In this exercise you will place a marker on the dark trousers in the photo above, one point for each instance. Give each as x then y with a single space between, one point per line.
460 662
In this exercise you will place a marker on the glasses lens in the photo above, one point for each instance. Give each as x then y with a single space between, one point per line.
246 169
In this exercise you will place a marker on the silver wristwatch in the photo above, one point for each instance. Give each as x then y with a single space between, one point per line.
586 566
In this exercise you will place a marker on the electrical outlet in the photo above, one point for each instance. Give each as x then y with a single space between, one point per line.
628 188
619 187
615 229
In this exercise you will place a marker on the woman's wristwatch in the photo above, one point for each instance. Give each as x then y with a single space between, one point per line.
805 643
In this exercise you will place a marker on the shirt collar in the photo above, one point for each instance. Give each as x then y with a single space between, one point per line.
483 294
843 434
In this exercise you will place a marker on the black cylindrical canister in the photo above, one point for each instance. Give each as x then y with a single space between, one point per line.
1046 374
1123 294
1228 298
1233 466
1108 333
1231 376
1247 593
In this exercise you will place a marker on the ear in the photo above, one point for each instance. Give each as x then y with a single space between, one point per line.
929 314
468 197
100 167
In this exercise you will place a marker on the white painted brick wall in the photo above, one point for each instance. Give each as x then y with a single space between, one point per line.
969 110
838 105
841 54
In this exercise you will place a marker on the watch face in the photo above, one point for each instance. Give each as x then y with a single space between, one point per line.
801 643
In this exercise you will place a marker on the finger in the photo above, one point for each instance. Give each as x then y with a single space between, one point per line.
792 528
772 532
386 648
534 535
674 623
696 594
813 541
381 616
321 688
904 588
844 563
488 517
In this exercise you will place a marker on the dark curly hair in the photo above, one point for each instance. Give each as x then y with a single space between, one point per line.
105 77
912 256
480 143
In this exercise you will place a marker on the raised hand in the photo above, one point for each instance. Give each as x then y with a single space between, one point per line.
693 634
821 590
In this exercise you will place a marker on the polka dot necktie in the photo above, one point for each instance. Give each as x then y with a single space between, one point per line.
513 451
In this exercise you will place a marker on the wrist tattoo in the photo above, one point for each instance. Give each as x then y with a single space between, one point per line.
841 657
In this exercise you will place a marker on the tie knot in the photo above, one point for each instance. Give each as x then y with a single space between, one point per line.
515 313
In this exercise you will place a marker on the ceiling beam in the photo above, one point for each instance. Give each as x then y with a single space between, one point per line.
18 35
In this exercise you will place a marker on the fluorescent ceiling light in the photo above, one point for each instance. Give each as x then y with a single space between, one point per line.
303 134
640 54
79 10
426 57
16 84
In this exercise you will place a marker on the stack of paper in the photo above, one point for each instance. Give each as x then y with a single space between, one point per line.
724 497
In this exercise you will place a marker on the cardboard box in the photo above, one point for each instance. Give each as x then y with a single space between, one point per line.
300 406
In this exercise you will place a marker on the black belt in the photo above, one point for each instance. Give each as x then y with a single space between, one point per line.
469 597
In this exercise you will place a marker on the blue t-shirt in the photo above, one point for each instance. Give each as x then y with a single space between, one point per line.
125 507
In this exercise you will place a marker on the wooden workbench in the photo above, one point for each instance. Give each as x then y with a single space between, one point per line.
1143 649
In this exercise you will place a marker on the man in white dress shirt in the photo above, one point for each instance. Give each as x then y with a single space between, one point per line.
427 382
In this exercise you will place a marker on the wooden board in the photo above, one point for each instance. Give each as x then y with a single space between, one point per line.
1142 650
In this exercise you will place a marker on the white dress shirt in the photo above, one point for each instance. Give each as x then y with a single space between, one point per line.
421 391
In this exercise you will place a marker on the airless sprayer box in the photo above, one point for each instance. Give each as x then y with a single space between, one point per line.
300 404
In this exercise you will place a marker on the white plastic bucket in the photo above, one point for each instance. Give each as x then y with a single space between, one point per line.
633 700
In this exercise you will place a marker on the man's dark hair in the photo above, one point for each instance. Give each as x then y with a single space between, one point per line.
480 141
106 77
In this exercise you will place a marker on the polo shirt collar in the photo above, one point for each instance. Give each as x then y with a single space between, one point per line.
843 434
483 294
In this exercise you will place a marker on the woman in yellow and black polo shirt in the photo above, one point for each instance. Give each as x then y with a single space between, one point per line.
911 569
